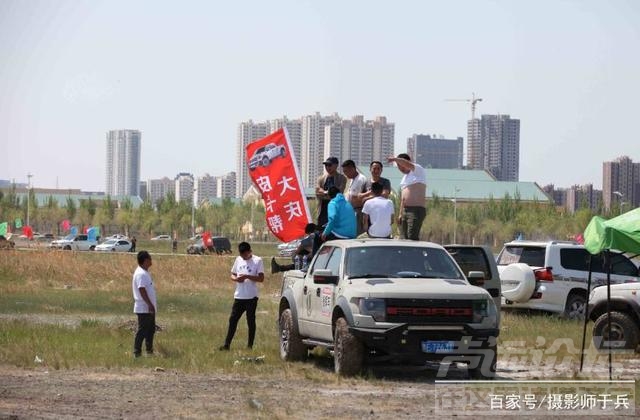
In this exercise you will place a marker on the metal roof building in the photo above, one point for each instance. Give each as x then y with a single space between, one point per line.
463 185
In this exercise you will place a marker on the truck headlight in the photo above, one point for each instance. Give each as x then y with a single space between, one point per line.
374 307
484 310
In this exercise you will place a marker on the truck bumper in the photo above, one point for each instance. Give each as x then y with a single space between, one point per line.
406 343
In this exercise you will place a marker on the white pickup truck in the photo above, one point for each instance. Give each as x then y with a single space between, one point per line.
391 301
75 243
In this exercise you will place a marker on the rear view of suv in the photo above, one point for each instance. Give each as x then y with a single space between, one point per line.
552 276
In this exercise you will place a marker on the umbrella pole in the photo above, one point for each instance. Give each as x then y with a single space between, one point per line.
608 262
586 313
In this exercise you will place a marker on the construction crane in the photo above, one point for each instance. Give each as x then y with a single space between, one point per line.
473 102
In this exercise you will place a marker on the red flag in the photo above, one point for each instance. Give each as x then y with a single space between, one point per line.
274 172
206 239
27 231
66 225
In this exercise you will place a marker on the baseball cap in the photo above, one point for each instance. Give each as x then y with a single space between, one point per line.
331 161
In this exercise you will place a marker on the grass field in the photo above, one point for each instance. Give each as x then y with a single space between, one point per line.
75 310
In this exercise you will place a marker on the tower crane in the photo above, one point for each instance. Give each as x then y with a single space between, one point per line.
473 102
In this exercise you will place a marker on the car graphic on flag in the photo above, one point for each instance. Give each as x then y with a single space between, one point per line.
265 154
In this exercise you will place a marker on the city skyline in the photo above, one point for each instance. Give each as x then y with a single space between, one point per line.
70 75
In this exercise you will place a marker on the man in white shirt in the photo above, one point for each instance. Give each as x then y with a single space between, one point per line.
144 296
247 272
378 213
414 189
353 192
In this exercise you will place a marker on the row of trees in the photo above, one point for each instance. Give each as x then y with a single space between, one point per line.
492 222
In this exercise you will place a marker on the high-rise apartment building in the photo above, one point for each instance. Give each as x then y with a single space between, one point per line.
248 131
142 189
494 145
206 189
436 152
184 185
313 131
359 140
583 196
621 183
122 175
158 189
294 128
226 185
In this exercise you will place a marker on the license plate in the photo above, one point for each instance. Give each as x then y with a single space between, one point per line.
438 346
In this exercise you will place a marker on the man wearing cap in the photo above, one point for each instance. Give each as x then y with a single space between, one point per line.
414 188
331 178
353 191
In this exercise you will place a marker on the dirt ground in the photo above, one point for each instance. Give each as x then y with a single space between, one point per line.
151 393
97 393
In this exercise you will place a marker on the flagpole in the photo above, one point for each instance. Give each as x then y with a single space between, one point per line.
29 176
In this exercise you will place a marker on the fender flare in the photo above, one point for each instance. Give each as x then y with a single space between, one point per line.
344 306
622 301
287 296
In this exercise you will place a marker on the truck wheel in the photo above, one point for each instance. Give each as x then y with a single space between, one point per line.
574 309
291 346
624 332
67 248
486 368
282 152
347 351
92 248
265 161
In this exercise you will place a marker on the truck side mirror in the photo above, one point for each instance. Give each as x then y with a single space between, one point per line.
324 276
476 278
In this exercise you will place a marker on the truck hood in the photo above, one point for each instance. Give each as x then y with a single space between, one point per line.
400 288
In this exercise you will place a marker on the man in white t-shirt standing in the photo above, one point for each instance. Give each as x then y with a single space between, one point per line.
378 213
414 189
247 272
145 306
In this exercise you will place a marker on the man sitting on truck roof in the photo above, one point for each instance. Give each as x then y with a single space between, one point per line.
308 246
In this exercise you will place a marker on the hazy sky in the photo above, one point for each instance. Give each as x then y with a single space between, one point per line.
186 73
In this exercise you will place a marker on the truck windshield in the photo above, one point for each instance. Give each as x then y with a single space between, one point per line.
400 262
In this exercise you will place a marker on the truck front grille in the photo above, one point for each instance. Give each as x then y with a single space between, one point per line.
417 311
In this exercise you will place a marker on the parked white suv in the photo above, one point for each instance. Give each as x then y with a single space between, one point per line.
552 276
75 243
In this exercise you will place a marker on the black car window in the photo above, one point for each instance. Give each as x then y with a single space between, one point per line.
471 259
322 258
334 262
533 256
621 265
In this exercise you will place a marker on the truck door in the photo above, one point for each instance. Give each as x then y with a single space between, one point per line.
305 315
323 297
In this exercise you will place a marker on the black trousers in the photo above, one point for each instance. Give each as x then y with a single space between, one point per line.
241 306
146 330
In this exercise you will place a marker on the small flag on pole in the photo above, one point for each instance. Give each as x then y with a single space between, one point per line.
3 228
18 223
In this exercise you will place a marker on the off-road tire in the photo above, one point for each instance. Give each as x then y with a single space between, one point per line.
282 152
574 301
624 328
348 351
291 346
479 371
67 248
265 161
92 248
